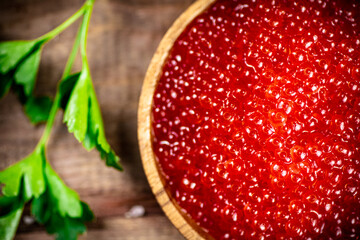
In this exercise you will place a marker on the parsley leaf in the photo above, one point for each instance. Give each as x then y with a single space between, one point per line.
12 52
11 209
65 88
23 181
83 117
59 208
9 223
38 108
19 63
26 175
26 71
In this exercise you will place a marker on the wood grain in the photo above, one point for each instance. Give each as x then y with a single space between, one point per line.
115 228
184 224
123 37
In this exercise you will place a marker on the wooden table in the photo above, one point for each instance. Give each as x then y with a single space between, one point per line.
123 36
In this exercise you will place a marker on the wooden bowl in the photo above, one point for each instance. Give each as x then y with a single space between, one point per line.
183 223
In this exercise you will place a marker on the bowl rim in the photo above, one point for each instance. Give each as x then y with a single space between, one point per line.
180 221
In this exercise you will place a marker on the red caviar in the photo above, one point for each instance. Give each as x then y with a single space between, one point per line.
256 120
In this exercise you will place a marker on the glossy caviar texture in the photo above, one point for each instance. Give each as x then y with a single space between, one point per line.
256 120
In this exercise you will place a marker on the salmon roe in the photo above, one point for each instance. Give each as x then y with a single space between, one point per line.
256 120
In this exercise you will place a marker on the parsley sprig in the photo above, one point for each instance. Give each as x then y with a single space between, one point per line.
32 179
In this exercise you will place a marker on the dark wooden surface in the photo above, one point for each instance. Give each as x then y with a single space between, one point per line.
123 36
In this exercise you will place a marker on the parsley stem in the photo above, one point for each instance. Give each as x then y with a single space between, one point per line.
72 55
84 30
56 31
49 124
56 104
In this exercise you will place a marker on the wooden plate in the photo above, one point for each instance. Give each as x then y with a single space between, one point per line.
183 223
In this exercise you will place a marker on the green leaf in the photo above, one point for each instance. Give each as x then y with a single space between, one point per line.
26 71
5 84
59 208
28 172
39 208
9 223
38 108
19 64
96 125
65 88
76 112
87 214
66 200
96 132
9 204
83 118
12 52
23 181
111 159
65 228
